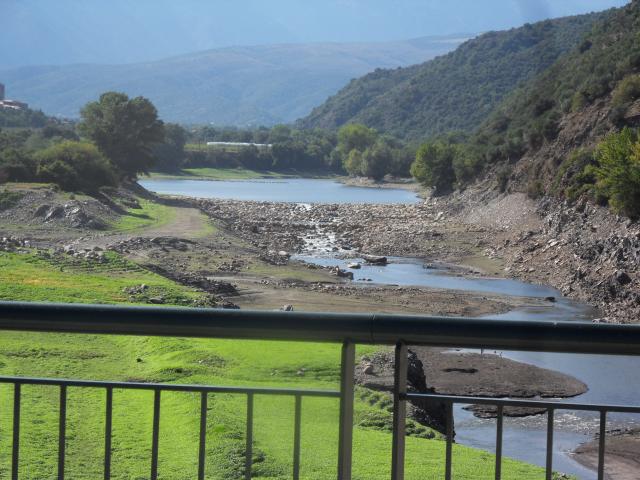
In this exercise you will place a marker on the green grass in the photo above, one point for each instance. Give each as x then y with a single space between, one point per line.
207 173
42 276
151 215
30 276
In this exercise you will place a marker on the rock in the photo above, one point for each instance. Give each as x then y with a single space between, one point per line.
337 271
287 308
374 259
283 253
156 300
368 369
354 265
226 304
550 299
54 212
41 210
622 278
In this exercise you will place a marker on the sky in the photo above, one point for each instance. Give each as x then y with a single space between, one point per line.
51 32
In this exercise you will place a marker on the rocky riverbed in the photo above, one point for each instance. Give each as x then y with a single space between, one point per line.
582 250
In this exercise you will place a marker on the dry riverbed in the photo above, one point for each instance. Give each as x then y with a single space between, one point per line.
240 253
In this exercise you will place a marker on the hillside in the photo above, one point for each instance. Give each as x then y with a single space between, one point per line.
231 86
25 118
456 91
570 106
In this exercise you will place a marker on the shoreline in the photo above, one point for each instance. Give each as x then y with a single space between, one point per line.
622 454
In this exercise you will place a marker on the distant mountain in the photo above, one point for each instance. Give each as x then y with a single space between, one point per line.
257 85
454 92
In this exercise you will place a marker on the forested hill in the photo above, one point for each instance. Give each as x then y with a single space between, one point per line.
250 85
456 91
545 132
24 118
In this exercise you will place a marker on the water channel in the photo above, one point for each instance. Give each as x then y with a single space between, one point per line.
611 379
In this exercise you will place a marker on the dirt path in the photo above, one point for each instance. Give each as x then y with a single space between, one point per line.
186 223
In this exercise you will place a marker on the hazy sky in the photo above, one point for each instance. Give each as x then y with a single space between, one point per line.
35 32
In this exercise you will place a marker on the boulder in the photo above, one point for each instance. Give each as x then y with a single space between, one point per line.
374 259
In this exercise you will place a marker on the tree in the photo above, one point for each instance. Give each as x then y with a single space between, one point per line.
170 153
618 171
433 166
75 166
353 163
125 130
355 136
16 165
377 160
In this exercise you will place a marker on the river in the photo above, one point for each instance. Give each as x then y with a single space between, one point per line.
611 379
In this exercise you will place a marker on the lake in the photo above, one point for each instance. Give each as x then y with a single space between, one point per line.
293 190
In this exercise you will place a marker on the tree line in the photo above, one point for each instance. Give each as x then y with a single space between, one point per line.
117 139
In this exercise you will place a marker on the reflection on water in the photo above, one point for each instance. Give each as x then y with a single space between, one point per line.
294 190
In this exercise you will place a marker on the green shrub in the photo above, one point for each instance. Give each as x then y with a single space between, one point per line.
627 91
535 189
16 165
502 178
574 177
75 166
8 199
617 172
433 166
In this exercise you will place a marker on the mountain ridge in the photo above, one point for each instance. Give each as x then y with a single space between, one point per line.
242 85
456 91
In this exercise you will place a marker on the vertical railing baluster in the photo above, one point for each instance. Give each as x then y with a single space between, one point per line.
601 444
449 450
155 440
296 438
345 435
202 451
15 451
499 426
108 420
549 465
62 434
399 411
248 455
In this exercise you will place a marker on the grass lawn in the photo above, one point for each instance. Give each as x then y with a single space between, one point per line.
206 173
30 276
151 215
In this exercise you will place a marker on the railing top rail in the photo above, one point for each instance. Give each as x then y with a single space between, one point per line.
172 387
569 337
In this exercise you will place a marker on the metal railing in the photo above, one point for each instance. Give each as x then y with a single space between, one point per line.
349 329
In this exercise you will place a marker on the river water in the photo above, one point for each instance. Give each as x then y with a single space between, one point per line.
293 190
611 379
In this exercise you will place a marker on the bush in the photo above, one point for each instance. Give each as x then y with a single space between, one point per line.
16 165
573 178
617 172
433 166
75 166
8 199
502 178
353 163
627 91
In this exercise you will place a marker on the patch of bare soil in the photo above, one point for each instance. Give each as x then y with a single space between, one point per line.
622 455
476 375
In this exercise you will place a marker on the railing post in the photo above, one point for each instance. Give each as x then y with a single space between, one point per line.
345 439
399 411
